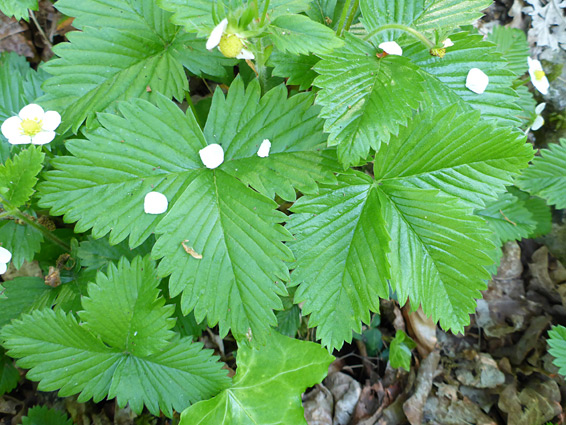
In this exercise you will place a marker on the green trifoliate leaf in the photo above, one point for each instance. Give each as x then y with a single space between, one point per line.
498 102
365 99
546 177
9 375
146 54
512 44
18 9
297 68
18 175
557 342
126 360
341 246
419 212
283 363
400 351
509 218
21 240
140 323
42 415
156 148
196 15
298 34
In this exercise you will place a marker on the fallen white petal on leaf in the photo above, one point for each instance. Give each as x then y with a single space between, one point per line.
155 203
3 268
212 155
216 34
391 48
5 255
538 77
477 80
264 148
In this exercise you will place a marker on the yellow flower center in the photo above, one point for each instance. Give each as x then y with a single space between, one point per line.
230 45
440 52
539 75
31 127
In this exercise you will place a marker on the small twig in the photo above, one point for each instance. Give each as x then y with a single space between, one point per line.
41 32
507 219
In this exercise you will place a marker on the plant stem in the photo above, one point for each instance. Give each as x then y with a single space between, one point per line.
46 232
264 13
41 32
429 44
352 14
343 17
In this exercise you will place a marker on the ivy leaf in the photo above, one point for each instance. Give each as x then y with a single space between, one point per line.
71 357
282 363
498 102
42 415
9 375
18 9
22 295
512 44
297 68
353 97
148 52
546 177
298 34
21 240
509 218
418 211
18 175
155 148
400 351
196 15
557 342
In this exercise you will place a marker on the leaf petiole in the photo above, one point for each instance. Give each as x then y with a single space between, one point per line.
418 35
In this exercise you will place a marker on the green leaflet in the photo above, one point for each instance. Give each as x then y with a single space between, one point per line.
498 102
18 9
297 68
281 370
512 44
121 58
365 99
546 177
18 176
116 353
400 351
42 415
22 295
96 254
450 14
9 375
21 240
235 229
557 343
377 13
418 211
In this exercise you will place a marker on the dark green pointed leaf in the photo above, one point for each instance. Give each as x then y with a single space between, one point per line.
42 415
18 9
22 295
21 240
298 69
283 363
18 175
9 375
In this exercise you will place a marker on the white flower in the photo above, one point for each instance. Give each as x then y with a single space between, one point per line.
263 150
155 203
477 81
447 43
5 257
212 155
31 125
539 120
391 48
538 77
231 45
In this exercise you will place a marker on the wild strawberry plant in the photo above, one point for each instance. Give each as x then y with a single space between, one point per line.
391 128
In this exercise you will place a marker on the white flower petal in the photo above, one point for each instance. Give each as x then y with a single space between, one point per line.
155 203
216 34
212 155
245 54
541 83
477 80
391 47
540 107
5 255
32 112
20 140
264 149
12 127
51 120
3 268
447 43
43 137
539 122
